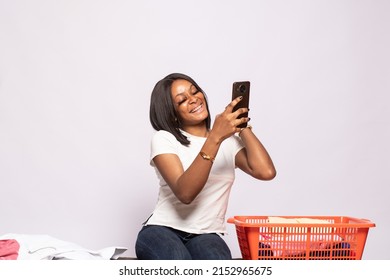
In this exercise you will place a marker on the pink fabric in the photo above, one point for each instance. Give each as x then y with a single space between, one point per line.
9 249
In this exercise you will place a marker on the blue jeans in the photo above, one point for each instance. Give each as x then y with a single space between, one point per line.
164 243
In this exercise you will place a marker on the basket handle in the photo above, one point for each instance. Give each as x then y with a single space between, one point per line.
231 220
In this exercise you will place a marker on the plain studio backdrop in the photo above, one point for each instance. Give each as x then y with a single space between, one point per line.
75 84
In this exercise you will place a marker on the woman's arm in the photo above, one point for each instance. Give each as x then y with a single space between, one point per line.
187 184
254 158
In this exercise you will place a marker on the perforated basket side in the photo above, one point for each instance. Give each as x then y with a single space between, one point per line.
342 238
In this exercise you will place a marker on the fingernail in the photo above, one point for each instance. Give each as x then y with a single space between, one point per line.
240 97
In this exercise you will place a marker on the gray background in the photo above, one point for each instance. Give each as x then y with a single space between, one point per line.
75 83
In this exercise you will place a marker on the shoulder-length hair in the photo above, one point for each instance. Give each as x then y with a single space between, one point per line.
162 113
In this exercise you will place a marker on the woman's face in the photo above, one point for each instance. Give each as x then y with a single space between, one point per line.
190 103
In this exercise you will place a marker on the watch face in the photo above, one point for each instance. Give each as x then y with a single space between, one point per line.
206 157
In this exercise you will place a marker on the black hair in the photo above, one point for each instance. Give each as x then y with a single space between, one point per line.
162 113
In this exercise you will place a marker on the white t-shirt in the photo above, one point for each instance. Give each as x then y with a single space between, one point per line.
206 214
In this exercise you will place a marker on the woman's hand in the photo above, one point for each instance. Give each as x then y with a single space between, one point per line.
225 124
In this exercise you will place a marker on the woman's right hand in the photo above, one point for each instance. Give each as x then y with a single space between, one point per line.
225 124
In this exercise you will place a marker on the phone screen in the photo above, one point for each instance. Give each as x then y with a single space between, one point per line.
241 89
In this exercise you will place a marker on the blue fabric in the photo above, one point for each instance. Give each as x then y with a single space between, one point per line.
164 243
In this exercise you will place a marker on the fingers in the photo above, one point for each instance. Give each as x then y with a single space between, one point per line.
230 107
243 120
233 103
237 117
226 124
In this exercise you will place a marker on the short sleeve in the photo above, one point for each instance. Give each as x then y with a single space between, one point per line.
163 142
237 144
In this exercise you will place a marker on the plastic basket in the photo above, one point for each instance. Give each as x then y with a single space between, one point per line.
337 238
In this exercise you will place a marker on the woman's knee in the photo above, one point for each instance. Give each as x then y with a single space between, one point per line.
209 247
160 243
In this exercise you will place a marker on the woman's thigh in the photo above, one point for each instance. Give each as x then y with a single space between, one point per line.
160 243
208 247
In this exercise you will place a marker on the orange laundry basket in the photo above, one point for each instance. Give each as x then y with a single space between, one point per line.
330 238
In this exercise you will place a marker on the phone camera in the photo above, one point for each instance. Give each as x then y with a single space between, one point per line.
242 88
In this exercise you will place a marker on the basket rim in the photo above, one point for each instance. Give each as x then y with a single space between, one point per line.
353 222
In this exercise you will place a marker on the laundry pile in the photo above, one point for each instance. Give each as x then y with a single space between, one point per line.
45 247
296 241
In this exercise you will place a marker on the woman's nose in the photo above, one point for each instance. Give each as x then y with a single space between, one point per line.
193 98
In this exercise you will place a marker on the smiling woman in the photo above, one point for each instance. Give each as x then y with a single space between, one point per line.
195 165
190 104
164 103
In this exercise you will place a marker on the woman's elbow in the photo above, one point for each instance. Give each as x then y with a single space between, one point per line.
265 175
185 199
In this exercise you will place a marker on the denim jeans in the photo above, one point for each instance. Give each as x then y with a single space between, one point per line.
164 243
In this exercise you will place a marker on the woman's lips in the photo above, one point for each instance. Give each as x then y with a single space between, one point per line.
197 109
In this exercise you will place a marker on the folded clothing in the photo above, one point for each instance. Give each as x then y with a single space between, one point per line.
288 241
9 249
45 247
338 251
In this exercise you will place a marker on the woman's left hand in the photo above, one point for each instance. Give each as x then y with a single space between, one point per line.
226 123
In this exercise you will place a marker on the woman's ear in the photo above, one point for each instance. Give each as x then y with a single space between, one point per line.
177 122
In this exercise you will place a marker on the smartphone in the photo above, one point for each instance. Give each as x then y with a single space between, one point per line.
241 89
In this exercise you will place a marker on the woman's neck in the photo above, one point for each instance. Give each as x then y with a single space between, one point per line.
200 131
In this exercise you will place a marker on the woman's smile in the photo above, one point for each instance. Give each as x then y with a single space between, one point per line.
197 109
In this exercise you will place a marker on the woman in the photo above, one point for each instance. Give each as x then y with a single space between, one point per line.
195 167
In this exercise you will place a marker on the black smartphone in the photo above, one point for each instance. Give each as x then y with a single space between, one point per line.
241 89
